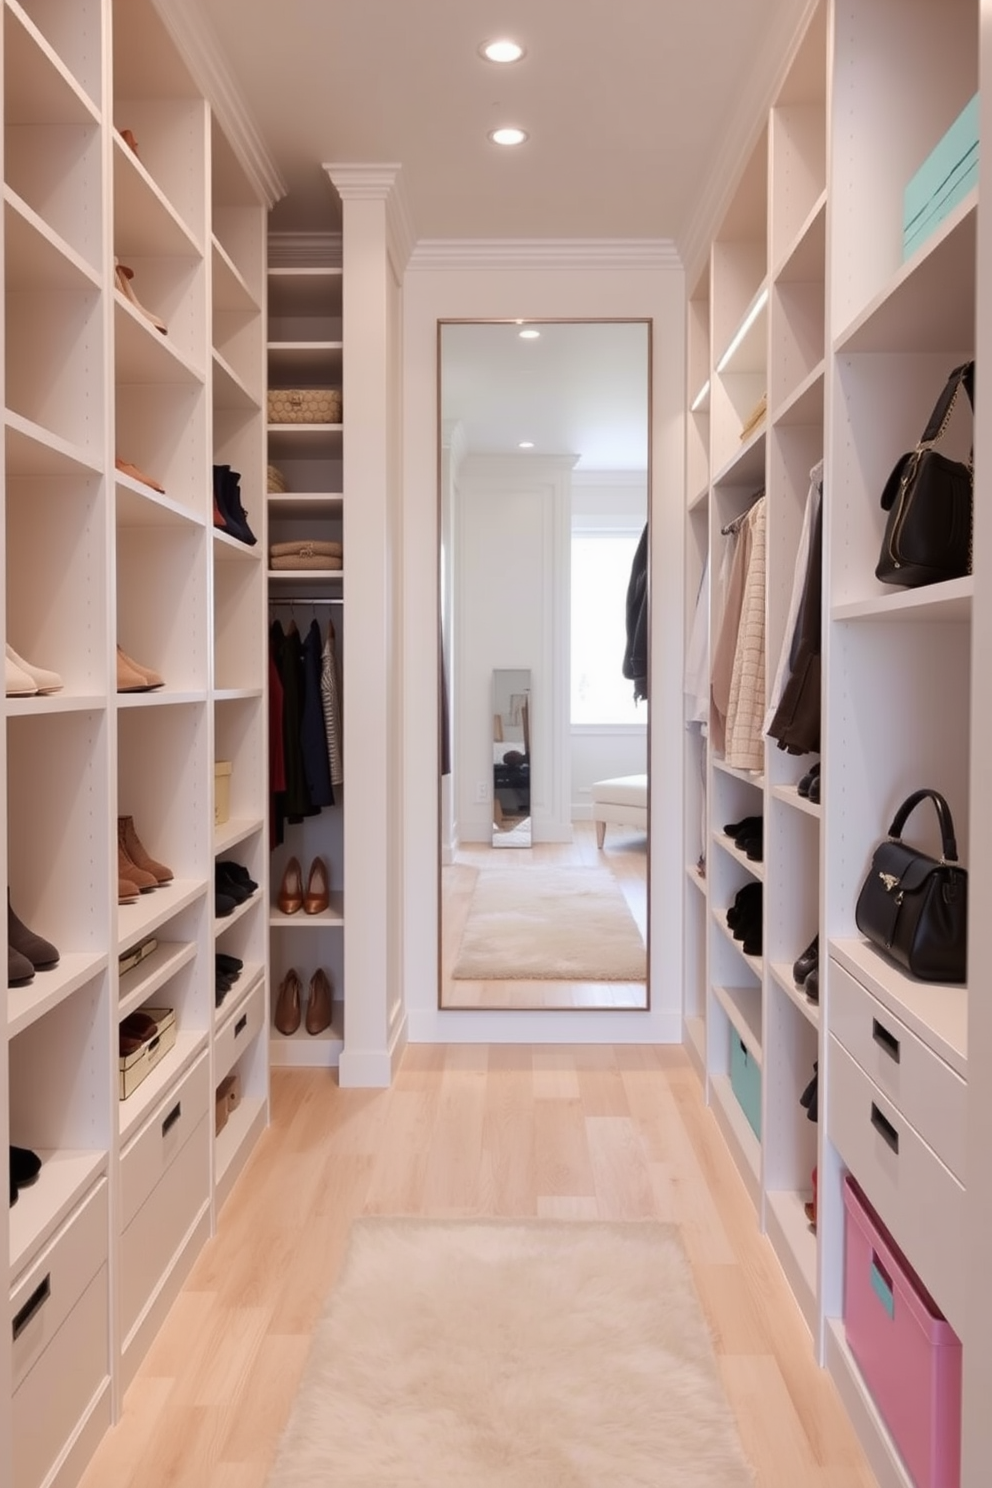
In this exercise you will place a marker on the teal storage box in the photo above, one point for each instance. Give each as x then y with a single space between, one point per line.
745 1081
949 172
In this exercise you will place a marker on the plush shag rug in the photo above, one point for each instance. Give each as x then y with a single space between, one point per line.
551 924
505 1354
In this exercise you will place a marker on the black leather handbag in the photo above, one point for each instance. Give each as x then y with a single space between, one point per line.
914 907
928 499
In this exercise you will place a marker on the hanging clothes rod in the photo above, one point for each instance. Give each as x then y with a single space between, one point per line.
311 599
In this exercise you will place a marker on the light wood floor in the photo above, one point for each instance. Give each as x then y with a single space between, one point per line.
592 1132
624 854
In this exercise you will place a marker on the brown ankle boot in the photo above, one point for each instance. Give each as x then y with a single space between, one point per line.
128 838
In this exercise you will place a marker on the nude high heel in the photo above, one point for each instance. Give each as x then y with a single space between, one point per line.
318 895
290 896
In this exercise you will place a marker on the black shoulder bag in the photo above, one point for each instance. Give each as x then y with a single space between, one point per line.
929 503
914 907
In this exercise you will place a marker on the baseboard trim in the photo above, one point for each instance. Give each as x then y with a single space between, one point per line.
513 1026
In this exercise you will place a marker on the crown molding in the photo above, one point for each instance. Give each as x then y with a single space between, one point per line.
500 467
743 132
308 250
202 54
633 480
358 182
545 253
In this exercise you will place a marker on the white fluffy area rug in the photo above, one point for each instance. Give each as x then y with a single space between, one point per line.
550 924
505 1354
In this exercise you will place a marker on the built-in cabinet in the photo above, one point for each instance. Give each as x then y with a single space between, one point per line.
805 298
306 504
111 427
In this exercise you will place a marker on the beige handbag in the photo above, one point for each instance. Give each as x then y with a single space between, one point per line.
304 406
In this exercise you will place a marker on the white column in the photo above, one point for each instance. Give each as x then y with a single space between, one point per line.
375 245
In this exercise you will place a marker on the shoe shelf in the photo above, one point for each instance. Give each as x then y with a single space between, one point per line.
794 1242
38 87
305 442
304 505
752 865
140 984
236 830
804 259
75 47
228 549
66 1174
25 1005
223 923
746 466
139 506
164 697
803 406
792 798
252 973
332 915
57 703
132 1112
230 292
300 1049
137 921
33 449
146 224
144 355
36 256
949 602
720 920
781 972
742 1006
229 390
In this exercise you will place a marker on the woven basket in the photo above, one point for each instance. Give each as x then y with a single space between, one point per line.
304 406
276 480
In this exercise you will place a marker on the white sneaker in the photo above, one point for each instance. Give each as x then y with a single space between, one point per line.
38 678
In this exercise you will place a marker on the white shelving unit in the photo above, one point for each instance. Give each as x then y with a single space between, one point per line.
804 296
129 1190
306 350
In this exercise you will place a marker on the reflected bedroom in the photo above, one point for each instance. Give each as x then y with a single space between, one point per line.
544 473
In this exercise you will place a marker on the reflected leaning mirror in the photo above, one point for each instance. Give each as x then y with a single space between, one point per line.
543 522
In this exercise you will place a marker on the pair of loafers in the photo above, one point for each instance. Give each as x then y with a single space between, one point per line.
748 835
809 786
806 970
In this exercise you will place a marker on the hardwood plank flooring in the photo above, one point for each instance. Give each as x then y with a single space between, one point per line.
624 854
558 1132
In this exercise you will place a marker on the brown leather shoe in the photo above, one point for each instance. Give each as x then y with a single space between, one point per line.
289 1003
128 838
319 1003
127 892
131 873
290 896
318 895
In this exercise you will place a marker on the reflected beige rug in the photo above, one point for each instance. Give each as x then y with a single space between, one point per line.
550 924
505 1354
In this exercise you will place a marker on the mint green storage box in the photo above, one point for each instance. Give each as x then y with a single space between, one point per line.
949 172
745 1081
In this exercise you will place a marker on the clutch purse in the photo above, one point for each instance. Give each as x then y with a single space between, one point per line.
914 907
928 499
304 406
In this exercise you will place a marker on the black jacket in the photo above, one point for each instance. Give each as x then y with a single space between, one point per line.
635 657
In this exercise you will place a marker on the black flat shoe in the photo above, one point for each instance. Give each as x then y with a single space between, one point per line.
814 790
807 962
811 986
746 827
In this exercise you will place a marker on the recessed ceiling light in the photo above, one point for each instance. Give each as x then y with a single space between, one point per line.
530 335
526 444
503 50
510 135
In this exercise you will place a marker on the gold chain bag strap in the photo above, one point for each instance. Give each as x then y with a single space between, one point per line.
928 499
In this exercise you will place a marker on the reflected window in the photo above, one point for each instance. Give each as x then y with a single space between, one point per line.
601 564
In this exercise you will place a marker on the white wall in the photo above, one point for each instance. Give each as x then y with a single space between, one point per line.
601 754
545 282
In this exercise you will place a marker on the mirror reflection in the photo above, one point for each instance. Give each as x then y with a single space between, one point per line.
544 472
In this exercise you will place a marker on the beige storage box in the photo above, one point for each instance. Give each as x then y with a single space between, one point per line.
222 792
304 406
138 1066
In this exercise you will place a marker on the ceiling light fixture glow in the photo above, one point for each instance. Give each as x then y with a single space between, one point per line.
529 335
502 50
743 329
526 444
508 135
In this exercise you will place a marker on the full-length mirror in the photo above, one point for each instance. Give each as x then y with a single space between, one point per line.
544 475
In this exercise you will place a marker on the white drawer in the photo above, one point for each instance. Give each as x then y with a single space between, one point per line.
48 1289
155 1146
55 1395
931 1095
239 1031
916 1196
156 1232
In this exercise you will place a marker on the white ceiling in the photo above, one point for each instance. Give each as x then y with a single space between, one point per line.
634 108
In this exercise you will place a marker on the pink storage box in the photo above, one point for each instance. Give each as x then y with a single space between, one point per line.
909 1354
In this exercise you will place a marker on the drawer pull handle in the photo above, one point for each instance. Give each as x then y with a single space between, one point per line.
241 1024
886 1041
172 1118
885 1129
37 1300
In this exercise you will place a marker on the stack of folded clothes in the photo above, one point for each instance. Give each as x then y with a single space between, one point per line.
306 552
